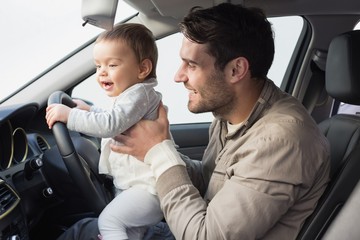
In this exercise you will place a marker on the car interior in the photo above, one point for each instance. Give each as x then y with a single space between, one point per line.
341 61
346 222
49 178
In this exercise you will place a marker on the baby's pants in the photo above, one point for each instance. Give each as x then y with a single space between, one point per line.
129 215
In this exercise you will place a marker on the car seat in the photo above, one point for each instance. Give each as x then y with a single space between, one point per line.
346 224
342 82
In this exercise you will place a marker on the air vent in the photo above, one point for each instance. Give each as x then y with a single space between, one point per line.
42 143
8 199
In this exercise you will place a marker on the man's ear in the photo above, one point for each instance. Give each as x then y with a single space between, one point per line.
239 68
145 68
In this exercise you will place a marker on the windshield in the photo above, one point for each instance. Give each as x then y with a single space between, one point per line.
37 34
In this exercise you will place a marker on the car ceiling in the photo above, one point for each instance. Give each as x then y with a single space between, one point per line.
271 7
162 18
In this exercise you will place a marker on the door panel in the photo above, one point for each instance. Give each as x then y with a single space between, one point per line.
192 139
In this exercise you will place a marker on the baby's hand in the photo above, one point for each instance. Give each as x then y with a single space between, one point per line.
57 113
82 105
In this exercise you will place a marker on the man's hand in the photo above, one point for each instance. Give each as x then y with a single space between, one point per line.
140 138
57 113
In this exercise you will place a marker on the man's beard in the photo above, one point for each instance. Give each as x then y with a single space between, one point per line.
216 96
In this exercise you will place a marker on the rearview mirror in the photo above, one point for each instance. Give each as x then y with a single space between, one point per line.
100 13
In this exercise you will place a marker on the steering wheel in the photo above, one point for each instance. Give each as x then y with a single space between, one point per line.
79 171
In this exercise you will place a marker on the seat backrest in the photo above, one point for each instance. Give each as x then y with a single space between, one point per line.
346 224
342 80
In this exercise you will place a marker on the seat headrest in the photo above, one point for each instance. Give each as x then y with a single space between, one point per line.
343 68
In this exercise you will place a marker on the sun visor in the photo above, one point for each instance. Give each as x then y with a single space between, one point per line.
100 13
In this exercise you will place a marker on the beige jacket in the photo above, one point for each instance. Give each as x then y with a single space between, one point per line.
263 180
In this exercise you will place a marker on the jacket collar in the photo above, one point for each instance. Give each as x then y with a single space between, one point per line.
262 103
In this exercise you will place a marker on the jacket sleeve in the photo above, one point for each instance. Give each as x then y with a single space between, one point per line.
249 201
128 109
237 211
194 169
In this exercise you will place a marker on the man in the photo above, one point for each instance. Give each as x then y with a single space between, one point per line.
266 164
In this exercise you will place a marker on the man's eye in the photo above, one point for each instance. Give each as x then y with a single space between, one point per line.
191 66
112 65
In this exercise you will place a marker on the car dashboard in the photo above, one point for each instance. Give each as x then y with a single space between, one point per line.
23 188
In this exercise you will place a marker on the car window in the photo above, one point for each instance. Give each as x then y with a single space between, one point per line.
29 45
286 29
349 109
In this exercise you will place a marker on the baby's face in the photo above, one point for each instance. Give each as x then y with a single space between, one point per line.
116 66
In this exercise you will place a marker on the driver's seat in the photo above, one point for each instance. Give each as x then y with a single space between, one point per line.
342 77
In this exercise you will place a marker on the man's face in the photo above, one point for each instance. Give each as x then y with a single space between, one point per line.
208 88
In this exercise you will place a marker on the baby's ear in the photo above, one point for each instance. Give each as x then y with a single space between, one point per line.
145 68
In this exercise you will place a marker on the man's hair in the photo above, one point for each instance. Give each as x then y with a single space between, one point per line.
138 37
232 31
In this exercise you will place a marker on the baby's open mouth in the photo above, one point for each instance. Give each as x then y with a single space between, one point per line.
106 84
